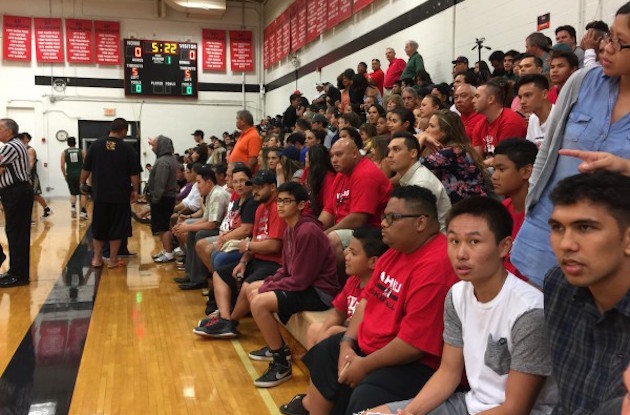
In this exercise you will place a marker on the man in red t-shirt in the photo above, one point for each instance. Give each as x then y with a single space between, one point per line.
500 122
394 70
249 143
513 163
464 94
360 193
262 256
377 74
394 341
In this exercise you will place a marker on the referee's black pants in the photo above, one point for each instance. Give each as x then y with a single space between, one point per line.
17 201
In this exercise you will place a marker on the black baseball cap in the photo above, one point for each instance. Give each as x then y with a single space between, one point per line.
263 177
291 152
461 59
197 132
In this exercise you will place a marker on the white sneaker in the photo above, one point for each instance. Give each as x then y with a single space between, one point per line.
159 254
164 257
73 212
178 252
83 215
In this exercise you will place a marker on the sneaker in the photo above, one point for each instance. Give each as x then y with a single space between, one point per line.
220 329
73 212
83 215
178 252
159 254
294 407
276 374
264 353
47 213
165 257
209 320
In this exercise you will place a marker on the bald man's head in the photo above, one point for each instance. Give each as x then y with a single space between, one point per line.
344 156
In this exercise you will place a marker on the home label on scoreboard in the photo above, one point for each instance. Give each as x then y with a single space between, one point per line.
160 68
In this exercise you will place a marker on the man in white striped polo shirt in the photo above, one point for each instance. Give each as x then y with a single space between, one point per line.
17 200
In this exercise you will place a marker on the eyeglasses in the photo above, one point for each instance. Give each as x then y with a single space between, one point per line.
390 218
284 201
616 43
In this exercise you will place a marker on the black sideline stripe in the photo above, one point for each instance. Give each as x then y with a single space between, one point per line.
43 371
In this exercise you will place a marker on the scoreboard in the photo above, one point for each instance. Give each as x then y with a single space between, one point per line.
160 68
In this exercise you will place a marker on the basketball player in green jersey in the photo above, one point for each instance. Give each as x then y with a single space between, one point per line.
71 163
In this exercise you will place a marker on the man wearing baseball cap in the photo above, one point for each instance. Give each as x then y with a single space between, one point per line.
198 136
461 65
262 256
320 122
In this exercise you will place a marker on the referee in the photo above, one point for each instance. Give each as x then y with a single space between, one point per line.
17 200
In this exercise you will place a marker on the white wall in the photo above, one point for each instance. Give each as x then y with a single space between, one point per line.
505 25
213 112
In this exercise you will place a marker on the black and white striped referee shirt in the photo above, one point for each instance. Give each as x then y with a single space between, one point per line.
14 159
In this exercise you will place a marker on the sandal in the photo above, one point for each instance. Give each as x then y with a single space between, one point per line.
116 264
96 264
294 407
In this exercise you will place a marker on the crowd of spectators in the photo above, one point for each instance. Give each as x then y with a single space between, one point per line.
474 260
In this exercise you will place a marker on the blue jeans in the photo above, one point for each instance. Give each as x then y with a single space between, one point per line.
222 260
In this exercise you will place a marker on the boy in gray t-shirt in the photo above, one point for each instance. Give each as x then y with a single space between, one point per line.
493 326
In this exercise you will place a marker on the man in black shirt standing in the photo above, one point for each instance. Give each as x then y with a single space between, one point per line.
115 171
17 200
291 114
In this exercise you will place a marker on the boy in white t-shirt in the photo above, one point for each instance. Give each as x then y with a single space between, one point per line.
493 326
533 90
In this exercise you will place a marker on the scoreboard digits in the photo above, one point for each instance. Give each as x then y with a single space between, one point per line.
159 68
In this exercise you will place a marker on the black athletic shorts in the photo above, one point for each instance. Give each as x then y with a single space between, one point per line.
111 221
161 214
381 386
256 270
291 302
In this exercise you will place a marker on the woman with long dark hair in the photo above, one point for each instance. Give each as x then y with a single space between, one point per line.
482 72
357 92
401 119
318 177
374 112
453 161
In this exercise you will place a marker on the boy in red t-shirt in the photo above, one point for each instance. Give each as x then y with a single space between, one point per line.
262 256
393 343
513 164
361 255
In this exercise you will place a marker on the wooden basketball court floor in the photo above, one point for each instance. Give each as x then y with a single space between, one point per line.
119 341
